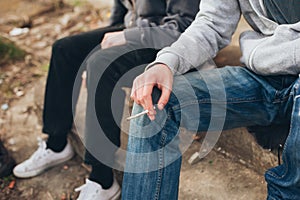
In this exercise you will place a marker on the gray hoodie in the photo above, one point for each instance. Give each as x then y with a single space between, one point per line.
154 23
270 49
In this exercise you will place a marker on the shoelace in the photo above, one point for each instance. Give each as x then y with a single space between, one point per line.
83 187
41 149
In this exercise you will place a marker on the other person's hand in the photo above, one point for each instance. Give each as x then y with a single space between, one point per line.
113 39
83 76
160 76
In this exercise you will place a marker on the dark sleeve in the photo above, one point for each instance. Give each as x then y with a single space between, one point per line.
118 13
179 15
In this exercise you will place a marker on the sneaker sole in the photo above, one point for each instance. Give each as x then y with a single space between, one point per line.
36 172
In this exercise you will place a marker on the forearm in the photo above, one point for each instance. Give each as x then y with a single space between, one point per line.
209 33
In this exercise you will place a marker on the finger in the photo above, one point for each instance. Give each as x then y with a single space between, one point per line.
103 40
147 100
139 95
83 76
133 91
164 98
105 44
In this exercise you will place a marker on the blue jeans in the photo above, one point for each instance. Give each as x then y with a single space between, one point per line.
284 180
212 100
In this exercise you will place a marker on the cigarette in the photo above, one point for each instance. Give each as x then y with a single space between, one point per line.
138 114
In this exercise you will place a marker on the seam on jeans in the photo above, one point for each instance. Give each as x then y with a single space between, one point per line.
283 99
160 165
276 100
214 102
284 148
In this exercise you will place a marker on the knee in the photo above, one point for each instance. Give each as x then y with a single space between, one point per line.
93 62
60 45
94 68
101 68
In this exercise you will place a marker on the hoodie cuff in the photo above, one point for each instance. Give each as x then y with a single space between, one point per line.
132 35
168 59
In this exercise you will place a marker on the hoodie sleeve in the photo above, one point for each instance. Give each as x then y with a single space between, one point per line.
211 31
179 15
118 13
275 54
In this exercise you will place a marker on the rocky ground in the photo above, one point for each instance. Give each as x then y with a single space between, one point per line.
233 170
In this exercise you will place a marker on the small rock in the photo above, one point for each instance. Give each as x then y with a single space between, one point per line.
242 161
38 37
57 29
14 149
28 59
65 20
4 107
12 141
88 18
40 45
39 21
66 167
19 93
18 31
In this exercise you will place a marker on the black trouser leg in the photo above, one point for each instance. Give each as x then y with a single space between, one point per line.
105 68
67 55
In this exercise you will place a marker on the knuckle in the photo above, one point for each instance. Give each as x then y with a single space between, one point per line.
145 96
139 99
133 98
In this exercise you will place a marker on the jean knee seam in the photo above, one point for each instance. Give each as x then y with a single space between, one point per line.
161 165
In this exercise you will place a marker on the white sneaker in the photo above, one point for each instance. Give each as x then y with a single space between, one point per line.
93 191
41 160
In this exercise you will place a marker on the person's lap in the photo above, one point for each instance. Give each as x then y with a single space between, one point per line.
218 99
231 94
212 101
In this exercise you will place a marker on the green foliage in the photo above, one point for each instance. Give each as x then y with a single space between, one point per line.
9 52
45 67
4 182
76 2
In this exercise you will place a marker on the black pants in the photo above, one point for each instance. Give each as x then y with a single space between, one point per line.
107 65
67 55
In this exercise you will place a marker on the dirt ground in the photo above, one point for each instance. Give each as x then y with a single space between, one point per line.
216 177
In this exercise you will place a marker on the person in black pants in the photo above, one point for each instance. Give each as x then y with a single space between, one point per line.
128 43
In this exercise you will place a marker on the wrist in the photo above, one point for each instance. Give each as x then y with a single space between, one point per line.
160 65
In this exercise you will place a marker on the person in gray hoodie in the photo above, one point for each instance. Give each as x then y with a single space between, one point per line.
195 95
